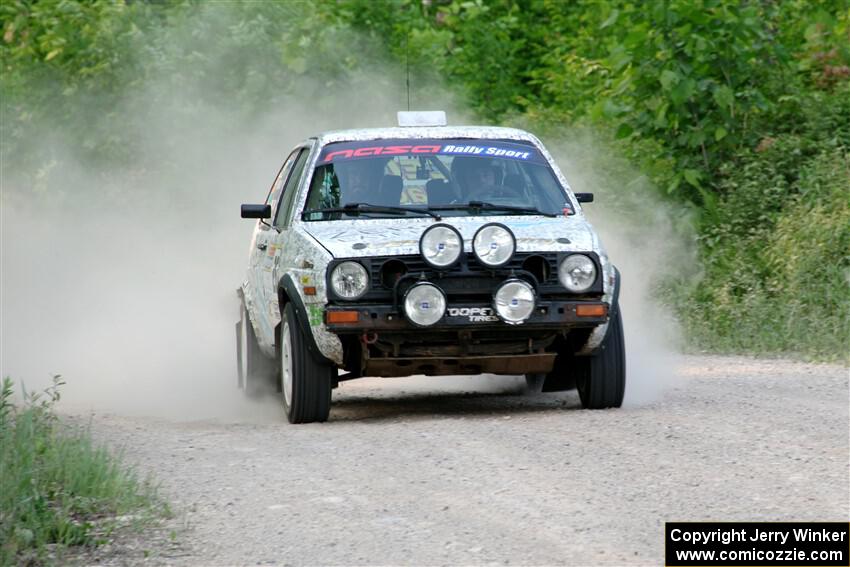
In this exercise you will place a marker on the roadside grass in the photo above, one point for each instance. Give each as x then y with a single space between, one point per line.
58 490
777 274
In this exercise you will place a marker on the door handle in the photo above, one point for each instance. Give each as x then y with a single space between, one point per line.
262 245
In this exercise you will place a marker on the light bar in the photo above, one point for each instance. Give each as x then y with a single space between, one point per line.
422 118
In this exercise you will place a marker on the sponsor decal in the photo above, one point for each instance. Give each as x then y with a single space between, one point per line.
474 314
380 151
358 150
486 151
316 315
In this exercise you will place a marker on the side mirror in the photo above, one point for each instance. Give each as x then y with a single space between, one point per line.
584 197
256 211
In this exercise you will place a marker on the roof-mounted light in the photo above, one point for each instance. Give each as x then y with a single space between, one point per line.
422 118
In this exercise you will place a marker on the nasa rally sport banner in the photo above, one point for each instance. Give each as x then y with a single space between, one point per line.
344 151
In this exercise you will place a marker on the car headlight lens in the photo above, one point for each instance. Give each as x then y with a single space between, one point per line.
514 301
424 304
441 246
493 245
577 273
349 280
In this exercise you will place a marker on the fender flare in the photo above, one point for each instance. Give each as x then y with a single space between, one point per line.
288 288
615 298
615 308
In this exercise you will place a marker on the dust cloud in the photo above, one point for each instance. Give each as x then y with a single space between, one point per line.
123 278
649 240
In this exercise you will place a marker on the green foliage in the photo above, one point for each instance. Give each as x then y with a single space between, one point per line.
86 71
691 73
56 487
776 254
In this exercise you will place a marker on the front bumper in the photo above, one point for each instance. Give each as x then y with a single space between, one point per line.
554 315
469 339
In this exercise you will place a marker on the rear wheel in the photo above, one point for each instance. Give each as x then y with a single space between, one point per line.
561 378
305 381
256 371
601 379
534 382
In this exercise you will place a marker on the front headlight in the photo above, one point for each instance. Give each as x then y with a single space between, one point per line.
424 304
349 280
441 246
577 273
514 301
493 245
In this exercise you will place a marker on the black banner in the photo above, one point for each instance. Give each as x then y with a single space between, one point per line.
762 544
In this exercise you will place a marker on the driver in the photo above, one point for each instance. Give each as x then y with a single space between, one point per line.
354 183
477 177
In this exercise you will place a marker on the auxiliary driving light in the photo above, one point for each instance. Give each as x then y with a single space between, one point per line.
577 273
441 245
514 301
494 245
424 304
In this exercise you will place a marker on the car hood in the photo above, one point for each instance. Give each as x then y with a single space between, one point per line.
395 237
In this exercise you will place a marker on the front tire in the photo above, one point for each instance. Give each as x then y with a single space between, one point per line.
601 379
306 382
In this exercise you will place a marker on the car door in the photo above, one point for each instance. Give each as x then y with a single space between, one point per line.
278 235
259 270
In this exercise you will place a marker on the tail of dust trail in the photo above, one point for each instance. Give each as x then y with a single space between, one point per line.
649 240
123 278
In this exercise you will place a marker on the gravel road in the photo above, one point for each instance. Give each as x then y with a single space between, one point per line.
431 471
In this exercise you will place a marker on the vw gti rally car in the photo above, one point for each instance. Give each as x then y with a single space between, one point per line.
426 249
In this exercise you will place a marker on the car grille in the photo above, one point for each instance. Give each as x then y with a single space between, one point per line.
468 265
468 279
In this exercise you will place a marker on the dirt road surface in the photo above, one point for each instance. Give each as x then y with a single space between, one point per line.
433 471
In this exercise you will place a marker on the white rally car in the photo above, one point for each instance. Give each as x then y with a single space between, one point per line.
426 249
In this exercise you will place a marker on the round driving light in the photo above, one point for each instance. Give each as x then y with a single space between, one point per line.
493 245
424 304
441 246
577 273
514 301
349 280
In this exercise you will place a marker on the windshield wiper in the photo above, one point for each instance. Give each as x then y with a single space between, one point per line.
355 209
482 206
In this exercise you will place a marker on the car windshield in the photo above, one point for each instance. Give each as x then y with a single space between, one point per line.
446 175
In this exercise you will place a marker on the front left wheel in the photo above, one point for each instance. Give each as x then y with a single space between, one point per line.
306 382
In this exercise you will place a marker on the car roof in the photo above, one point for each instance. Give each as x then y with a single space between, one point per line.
428 132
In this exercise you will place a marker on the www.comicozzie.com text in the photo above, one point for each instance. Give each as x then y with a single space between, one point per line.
743 534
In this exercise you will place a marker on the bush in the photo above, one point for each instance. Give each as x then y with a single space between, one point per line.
776 247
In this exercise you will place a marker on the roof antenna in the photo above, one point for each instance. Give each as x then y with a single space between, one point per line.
407 63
